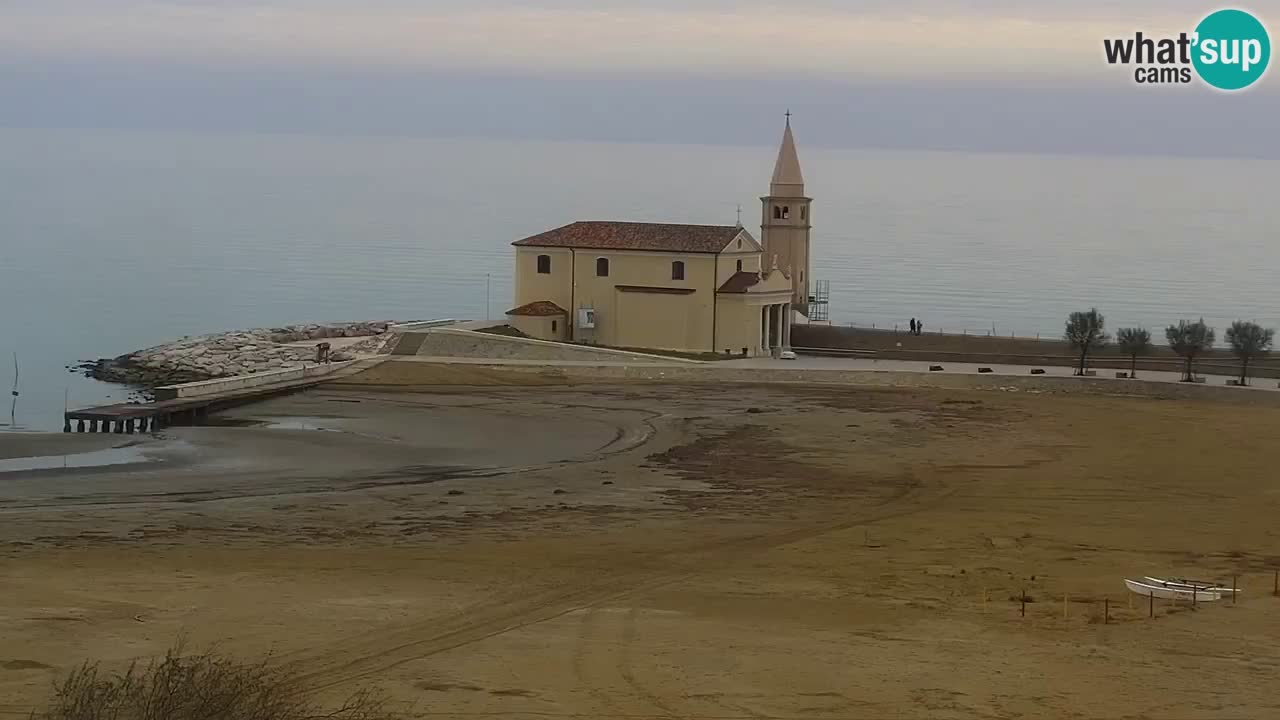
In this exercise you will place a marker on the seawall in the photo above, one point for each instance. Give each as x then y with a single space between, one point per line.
982 349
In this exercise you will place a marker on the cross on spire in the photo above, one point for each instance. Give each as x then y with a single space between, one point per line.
788 114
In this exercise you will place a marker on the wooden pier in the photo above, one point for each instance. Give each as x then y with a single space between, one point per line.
130 418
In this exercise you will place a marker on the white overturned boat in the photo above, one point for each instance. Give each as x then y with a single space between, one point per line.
1176 589
1190 584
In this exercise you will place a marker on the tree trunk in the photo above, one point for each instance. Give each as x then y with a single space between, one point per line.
1083 354
1186 376
1244 370
1133 366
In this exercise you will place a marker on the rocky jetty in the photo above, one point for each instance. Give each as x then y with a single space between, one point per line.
239 353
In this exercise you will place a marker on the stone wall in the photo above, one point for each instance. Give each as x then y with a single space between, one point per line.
241 352
981 349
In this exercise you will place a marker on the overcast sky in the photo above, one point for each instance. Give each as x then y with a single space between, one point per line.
983 74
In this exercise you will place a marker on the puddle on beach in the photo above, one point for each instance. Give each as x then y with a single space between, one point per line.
279 423
297 424
95 458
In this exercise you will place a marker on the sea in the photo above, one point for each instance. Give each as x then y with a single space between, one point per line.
111 241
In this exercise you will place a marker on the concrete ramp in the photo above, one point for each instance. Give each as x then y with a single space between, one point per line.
451 342
409 343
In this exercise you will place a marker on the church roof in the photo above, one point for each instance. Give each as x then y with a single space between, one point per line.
538 308
660 237
744 280
788 181
740 281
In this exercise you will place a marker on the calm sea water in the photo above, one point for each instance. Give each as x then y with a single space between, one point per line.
111 241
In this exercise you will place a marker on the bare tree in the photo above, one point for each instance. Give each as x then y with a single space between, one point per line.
202 686
1189 340
1248 341
1085 331
1133 342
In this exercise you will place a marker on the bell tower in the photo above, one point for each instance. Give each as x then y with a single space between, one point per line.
785 219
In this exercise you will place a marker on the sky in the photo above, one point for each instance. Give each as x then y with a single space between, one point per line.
989 75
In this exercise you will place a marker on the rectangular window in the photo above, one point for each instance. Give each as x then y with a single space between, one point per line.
544 264
602 267
677 270
553 326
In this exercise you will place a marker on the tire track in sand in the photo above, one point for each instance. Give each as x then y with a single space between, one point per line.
371 654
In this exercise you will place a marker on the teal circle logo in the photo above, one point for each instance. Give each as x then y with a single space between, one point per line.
1232 49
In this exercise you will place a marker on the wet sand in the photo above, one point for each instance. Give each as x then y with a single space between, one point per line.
671 551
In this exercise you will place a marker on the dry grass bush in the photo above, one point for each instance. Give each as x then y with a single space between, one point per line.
200 686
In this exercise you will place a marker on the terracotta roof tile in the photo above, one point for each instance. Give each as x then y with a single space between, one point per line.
661 237
740 281
538 308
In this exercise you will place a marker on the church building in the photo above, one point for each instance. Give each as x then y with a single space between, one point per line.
687 288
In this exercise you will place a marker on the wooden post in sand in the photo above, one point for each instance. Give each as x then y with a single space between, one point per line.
1024 602
1065 614
1276 591
1106 611
1234 578
1151 609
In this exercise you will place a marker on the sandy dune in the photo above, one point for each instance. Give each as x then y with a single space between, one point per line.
654 551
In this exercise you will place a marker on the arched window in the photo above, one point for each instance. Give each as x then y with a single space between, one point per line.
544 264
739 266
802 211
777 212
677 270
602 267
786 212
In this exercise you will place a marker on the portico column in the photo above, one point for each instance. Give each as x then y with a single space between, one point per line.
777 327
768 336
786 326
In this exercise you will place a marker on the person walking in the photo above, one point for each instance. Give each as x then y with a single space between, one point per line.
913 326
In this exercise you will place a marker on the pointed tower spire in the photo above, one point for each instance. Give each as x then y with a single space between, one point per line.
787 179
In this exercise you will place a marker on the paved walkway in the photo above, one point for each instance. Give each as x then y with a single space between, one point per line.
837 364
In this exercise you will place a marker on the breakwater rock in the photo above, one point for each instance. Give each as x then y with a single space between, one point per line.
240 353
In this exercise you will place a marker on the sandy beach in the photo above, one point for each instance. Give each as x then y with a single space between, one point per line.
664 550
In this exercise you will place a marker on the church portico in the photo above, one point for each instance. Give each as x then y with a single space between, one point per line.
775 330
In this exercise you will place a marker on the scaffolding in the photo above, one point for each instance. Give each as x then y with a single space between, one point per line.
820 302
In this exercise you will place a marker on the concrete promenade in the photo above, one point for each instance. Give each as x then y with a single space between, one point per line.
839 364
